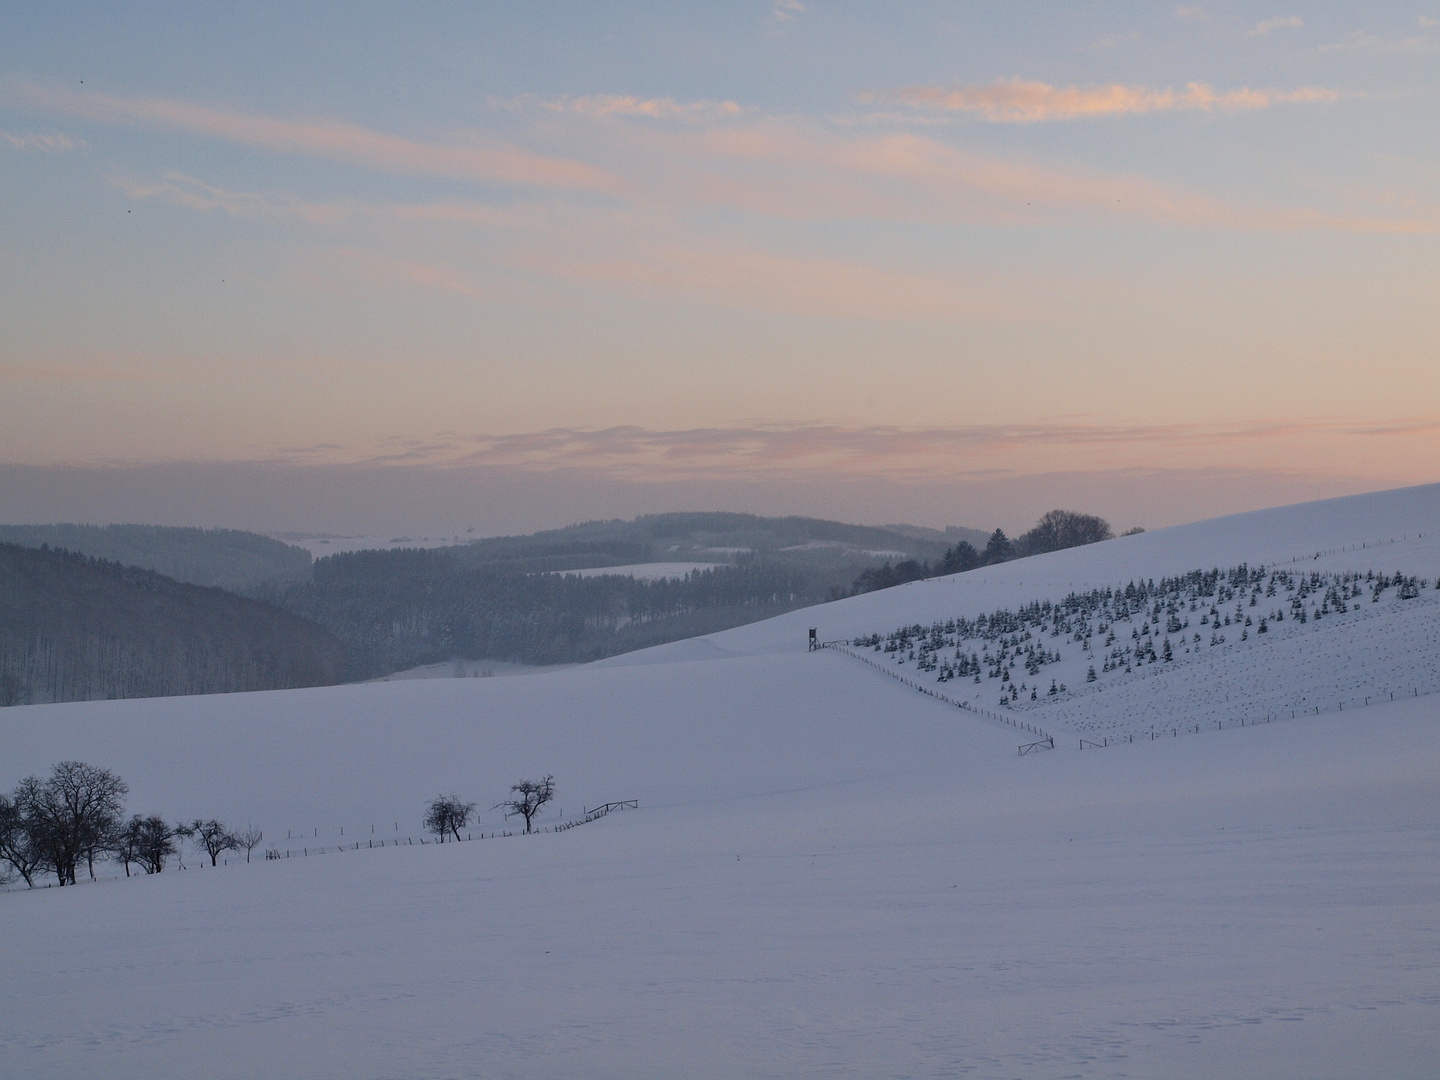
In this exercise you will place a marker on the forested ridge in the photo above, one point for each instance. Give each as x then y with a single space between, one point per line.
75 628
399 609
226 558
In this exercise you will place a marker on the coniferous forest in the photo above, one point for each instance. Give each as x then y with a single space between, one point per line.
77 626
74 628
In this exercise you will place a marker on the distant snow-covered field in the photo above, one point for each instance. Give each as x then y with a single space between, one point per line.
828 873
656 571
320 546
461 668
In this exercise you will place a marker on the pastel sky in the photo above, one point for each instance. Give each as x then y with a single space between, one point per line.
700 250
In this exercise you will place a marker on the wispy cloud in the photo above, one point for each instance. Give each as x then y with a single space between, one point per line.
1190 12
187 191
799 450
1279 22
806 173
1361 42
485 160
1015 101
52 143
787 11
182 190
604 105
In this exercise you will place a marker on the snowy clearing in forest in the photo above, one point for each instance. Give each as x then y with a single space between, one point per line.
658 571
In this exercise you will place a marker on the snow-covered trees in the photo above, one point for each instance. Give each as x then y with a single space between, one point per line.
998 548
958 559
1156 617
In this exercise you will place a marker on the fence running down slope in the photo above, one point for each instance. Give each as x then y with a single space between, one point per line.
1043 736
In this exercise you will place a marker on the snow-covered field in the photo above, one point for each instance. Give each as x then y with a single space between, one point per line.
1109 666
828 874
656 571
471 669
320 546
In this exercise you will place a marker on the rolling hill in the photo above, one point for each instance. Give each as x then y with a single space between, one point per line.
827 873
74 628
228 559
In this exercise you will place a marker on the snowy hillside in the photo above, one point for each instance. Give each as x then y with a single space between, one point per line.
1118 663
1388 531
828 873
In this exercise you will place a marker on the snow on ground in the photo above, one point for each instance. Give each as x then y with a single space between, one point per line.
656 571
1119 671
1390 531
320 546
828 874
471 669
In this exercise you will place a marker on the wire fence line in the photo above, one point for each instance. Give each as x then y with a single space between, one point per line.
369 843
1187 727
594 813
1192 727
939 695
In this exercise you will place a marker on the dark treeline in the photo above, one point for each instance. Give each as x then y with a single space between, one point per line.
74 628
224 558
1057 530
399 609
700 534
75 817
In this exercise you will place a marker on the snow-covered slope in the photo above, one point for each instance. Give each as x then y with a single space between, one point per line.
828 874
1389 531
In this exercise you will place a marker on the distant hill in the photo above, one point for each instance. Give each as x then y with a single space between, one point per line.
224 558
504 598
811 543
73 628
514 598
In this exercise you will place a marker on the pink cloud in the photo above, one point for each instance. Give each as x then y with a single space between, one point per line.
1014 101
489 161
604 105
52 143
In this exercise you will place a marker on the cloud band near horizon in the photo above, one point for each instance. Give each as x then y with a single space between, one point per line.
902 454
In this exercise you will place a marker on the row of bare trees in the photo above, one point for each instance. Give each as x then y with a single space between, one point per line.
448 814
76 817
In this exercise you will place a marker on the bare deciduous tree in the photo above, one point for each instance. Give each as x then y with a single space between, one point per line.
17 846
148 841
128 840
211 837
73 815
157 843
249 839
1060 529
447 815
531 795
